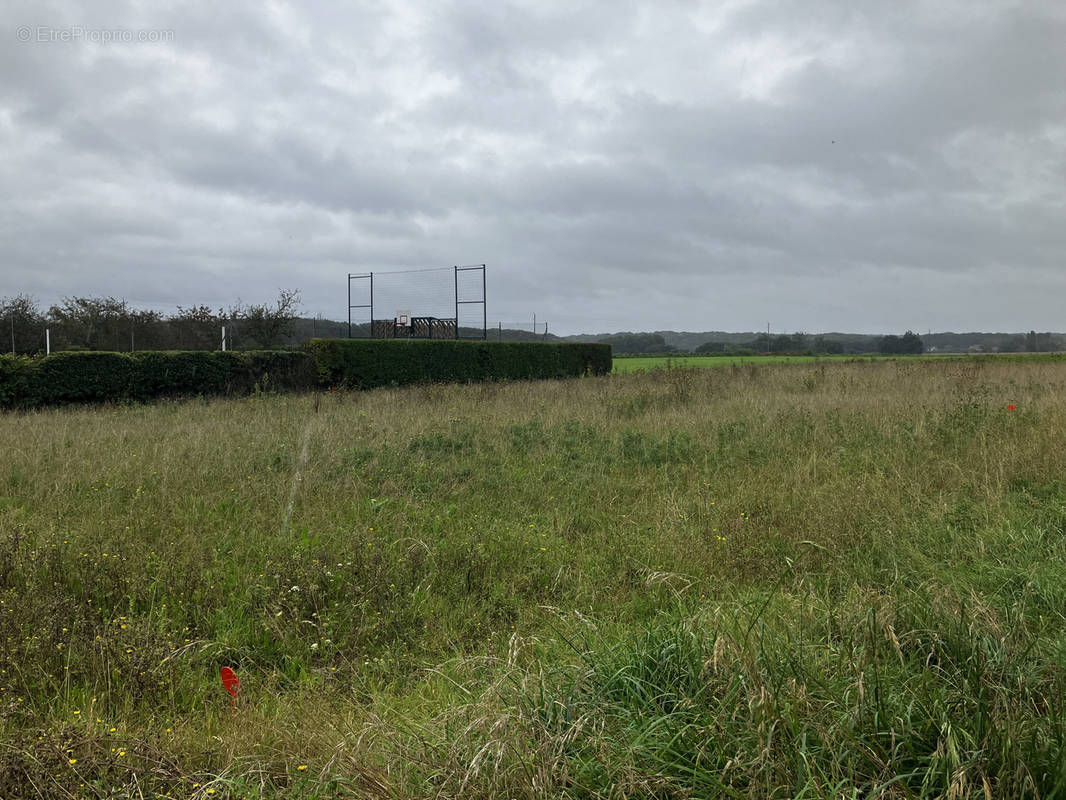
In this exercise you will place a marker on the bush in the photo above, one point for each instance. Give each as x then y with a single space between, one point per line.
94 376
15 374
367 363
73 377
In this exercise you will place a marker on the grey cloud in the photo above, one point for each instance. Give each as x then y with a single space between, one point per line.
829 165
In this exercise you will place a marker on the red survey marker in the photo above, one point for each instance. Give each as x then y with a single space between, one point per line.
232 684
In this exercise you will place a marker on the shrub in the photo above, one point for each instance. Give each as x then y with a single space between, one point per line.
73 377
99 376
15 374
367 363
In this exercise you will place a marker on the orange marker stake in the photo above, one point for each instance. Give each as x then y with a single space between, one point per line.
1011 407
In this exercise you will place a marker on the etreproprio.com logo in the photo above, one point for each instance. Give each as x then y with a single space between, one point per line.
79 33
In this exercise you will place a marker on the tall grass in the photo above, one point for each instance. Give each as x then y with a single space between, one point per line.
831 580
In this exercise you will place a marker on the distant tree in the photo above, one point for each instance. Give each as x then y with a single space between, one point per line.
788 343
827 346
1012 344
781 343
149 331
912 344
23 325
711 347
909 343
1039 342
196 328
311 327
629 343
93 323
264 325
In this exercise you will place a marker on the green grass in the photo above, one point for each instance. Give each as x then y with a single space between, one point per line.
635 363
816 580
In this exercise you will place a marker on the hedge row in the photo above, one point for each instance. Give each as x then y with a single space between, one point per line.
94 377
368 363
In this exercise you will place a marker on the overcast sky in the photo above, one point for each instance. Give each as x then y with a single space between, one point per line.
816 165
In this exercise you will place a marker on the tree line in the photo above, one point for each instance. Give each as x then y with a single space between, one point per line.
802 343
109 323
779 344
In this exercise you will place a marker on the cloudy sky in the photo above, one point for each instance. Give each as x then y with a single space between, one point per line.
817 165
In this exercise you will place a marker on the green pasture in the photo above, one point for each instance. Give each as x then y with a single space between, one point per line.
638 363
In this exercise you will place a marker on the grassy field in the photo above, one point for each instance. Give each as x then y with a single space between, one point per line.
807 580
637 363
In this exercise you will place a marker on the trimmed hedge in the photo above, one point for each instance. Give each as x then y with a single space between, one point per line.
85 377
367 363
15 379
95 376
